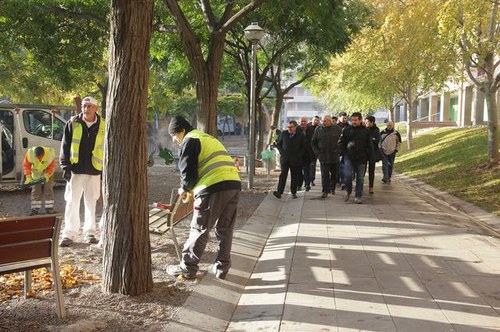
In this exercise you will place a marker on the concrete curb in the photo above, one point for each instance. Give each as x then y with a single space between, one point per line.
482 217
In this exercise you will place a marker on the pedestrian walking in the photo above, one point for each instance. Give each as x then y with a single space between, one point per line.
375 136
342 123
305 172
291 146
315 121
356 144
208 174
81 158
38 167
390 142
325 145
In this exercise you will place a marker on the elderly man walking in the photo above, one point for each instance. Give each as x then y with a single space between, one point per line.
325 146
390 142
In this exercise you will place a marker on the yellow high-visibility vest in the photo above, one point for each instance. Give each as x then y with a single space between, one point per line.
37 165
97 152
214 163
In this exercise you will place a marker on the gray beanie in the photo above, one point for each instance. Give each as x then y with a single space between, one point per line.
177 124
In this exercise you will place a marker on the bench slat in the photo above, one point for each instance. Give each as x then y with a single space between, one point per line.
27 235
25 251
18 224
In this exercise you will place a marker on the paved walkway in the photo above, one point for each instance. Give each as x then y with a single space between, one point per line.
400 262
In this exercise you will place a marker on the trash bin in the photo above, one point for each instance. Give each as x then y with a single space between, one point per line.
269 160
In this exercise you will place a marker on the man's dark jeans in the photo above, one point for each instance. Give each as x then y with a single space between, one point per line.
359 170
329 176
387 165
312 170
295 174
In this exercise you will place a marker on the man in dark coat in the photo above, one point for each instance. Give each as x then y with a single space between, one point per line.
311 127
357 147
375 134
325 146
292 146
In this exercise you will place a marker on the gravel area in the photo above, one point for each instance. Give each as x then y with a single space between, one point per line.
88 308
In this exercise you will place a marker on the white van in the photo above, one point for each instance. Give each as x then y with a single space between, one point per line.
24 126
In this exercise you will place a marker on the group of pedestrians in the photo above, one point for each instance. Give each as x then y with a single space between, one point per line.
344 150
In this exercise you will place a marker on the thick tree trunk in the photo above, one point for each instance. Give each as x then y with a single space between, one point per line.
127 251
278 106
409 119
206 100
103 88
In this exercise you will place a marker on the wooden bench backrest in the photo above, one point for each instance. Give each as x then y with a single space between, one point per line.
27 238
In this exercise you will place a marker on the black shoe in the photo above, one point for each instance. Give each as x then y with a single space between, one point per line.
276 194
324 195
312 184
294 196
90 239
299 188
388 180
178 271
49 211
308 188
65 242
33 212
219 274
342 186
384 180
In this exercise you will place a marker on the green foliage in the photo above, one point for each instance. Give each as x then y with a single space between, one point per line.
451 160
234 104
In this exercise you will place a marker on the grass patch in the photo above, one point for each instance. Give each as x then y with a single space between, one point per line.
450 159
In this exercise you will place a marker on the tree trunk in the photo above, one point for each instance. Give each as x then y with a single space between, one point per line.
278 106
103 88
262 128
207 87
491 105
409 119
127 251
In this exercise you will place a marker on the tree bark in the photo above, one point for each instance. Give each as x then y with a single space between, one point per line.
491 105
409 116
127 251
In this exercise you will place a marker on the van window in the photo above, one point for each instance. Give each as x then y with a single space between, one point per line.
7 137
39 123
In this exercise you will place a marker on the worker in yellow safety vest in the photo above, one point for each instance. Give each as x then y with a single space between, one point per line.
209 175
38 166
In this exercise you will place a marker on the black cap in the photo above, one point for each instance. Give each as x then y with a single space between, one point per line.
177 124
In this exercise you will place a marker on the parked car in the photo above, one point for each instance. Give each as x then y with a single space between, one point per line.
24 126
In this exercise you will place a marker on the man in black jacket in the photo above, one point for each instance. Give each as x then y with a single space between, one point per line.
291 146
375 134
357 146
325 146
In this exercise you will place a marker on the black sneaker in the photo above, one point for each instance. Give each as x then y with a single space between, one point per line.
179 272
324 195
294 196
384 181
219 274
308 188
65 242
33 212
276 194
312 184
299 188
90 239
49 211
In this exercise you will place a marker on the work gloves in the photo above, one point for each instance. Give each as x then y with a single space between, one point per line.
28 179
47 177
67 175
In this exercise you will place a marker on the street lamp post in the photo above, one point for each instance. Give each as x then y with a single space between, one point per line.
254 34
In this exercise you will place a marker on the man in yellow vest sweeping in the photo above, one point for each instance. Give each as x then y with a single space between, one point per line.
39 164
82 151
209 175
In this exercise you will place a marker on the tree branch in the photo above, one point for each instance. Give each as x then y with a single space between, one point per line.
208 14
239 15
227 12
305 77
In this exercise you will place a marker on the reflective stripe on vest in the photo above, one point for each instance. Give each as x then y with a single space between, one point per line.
214 163
97 152
37 165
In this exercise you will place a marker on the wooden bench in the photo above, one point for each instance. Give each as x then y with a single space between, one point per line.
28 243
164 217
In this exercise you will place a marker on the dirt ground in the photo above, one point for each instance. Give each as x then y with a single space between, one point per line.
89 309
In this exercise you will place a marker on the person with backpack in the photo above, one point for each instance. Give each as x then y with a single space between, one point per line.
390 142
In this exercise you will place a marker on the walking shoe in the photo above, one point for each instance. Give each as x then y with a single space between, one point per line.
276 194
388 180
333 191
90 239
384 180
371 190
219 274
179 272
342 186
312 184
347 196
49 211
358 200
33 212
299 188
65 242
324 195
308 188
294 196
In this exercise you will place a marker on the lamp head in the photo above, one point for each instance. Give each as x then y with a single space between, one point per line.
254 32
